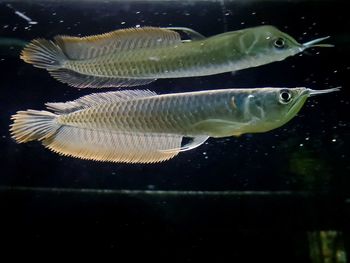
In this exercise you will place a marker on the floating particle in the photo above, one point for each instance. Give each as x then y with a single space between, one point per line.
22 15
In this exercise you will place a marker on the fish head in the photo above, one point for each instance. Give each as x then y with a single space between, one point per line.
277 106
266 44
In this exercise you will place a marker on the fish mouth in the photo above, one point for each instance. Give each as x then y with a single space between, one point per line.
312 92
314 43
308 93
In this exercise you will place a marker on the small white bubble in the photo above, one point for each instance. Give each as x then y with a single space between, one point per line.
334 140
301 145
5 26
137 26
302 18
137 12
253 13
335 71
123 23
61 21
242 23
54 13
204 153
307 138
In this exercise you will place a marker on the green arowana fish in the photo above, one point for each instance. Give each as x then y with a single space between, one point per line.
138 56
139 126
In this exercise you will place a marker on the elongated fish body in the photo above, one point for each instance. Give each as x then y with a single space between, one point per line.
139 56
142 127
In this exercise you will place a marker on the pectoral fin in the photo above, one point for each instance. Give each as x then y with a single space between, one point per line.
219 128
194 143
193 35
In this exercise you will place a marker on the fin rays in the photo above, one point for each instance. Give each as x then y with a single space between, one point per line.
110 146
81 81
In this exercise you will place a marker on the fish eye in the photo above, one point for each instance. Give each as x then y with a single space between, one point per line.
285 96
279 43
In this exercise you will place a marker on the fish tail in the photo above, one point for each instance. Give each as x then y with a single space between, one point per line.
33 125
44 53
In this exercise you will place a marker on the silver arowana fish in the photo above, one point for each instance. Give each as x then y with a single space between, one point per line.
139 126
138 56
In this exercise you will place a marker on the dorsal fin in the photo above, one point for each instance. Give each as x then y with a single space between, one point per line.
78 48
96 99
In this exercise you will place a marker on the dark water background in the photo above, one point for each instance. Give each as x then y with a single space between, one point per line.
310 153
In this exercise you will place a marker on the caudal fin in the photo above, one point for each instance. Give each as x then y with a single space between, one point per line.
44 53
33 125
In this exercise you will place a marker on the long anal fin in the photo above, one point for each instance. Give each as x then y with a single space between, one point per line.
79 80
194 143
103 145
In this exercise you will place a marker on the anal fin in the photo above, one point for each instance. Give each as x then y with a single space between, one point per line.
79 80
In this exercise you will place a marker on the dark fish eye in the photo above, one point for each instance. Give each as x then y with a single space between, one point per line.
279 43
285 96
